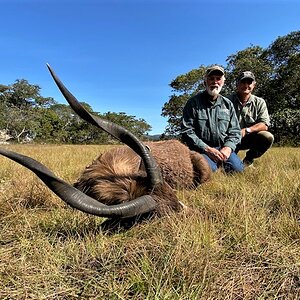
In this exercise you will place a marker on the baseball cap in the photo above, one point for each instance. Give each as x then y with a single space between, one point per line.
215 68
246 74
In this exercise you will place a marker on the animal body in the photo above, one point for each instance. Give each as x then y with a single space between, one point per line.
119 175
127 181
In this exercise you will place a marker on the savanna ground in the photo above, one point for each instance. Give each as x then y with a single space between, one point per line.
241 241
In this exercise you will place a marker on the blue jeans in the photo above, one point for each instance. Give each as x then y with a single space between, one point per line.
232 164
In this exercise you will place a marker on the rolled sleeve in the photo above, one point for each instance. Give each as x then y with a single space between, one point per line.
263 115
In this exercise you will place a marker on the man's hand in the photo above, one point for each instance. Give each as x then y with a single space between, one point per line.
215 154
226 151
243 132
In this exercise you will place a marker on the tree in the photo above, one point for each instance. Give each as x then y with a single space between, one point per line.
19 123
276 68
184 86
19 109
48 126
25 114
3 88
249 59
59 123
286 126
283 86
21 94
139 127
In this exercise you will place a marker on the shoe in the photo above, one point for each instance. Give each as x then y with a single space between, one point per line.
248 163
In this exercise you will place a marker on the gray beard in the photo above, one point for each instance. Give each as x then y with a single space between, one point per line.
214 92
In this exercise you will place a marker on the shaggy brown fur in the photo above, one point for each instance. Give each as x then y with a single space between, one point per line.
118 175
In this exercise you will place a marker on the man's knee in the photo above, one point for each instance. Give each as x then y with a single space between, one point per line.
234 164
267 137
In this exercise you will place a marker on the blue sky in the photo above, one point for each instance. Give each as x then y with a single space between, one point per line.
121 56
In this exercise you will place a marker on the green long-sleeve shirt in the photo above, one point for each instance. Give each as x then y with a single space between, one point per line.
210 123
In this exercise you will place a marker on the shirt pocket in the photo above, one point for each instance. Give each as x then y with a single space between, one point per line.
249 119
202 125
223 120
248 116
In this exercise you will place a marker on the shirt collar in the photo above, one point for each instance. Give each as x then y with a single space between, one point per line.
218 101
247 103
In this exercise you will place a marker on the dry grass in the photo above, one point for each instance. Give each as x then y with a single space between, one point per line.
240 241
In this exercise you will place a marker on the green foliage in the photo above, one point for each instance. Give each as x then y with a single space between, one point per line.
183 87
277 72
3 88
189 82
49 126
249 59
20 123
20 106
22 94
173 111
136 126
283 86
286 126
28 116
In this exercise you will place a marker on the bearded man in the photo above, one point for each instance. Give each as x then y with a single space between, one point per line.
210 126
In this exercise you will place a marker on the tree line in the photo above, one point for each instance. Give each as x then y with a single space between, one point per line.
277 72
27 116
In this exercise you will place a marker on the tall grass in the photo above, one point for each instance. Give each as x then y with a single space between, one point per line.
240 240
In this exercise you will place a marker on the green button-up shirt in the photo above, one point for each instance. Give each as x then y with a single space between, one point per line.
254 111
210 123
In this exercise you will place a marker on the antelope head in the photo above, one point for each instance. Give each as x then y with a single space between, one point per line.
77 198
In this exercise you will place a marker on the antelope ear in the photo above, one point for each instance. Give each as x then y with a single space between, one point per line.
119 132
76 198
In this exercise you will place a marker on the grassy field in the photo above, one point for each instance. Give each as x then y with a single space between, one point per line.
240 241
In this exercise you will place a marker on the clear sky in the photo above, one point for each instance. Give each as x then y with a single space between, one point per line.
121 55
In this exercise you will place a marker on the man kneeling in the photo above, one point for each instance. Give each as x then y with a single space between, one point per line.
253 117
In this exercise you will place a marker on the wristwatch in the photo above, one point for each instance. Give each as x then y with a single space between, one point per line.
248 130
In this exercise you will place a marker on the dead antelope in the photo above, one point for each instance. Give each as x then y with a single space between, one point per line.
128 181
